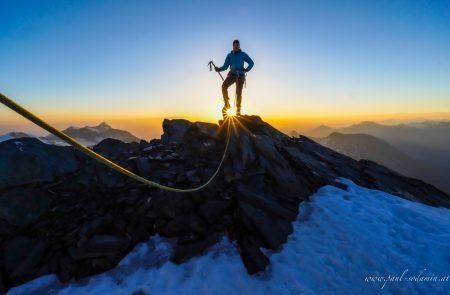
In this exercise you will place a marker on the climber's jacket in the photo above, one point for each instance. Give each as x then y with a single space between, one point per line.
235 60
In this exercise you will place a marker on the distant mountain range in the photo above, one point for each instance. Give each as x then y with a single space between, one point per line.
86 135
364 146
420 149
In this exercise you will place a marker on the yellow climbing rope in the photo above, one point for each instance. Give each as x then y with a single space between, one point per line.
99 158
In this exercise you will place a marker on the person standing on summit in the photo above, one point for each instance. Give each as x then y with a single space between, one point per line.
235 61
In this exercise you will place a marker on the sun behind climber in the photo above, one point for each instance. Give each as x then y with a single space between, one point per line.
235 60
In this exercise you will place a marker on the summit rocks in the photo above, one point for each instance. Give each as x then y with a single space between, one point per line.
75 217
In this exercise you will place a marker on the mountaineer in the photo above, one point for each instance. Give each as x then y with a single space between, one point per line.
235 60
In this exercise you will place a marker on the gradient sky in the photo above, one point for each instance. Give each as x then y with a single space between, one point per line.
93 61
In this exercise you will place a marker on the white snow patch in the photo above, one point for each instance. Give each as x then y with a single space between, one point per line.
340 237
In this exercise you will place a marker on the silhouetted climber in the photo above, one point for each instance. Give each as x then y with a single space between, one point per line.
235 60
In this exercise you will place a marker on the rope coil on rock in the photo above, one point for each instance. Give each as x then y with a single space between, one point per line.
101 159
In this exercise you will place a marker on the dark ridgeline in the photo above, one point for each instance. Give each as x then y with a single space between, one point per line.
61 212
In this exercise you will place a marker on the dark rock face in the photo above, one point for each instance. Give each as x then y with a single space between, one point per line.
99 246
22 256
82 218
113 147
22 206
174 133
28 160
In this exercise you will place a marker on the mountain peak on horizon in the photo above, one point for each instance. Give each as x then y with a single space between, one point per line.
91 135
323 127
368 123
13 134
104 125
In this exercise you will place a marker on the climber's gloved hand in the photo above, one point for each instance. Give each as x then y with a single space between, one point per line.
216 69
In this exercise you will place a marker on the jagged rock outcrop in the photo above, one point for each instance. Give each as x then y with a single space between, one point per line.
84 217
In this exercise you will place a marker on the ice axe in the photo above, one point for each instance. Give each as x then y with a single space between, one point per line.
211 64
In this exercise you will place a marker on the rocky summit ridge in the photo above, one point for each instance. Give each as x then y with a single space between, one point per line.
61 212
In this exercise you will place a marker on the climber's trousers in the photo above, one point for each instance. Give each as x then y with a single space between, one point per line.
239 85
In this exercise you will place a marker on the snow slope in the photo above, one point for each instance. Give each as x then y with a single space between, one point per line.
342 240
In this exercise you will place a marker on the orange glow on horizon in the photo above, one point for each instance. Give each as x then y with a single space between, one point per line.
148 127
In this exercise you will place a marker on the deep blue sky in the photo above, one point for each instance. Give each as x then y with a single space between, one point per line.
148 58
